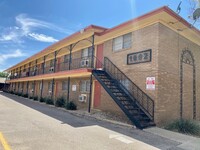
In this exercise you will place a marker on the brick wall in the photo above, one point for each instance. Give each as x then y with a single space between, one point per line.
166 47
143 39
73 96
170 49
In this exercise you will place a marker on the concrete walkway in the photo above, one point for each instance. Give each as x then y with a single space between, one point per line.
186 142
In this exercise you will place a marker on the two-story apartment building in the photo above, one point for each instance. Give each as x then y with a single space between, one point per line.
147 69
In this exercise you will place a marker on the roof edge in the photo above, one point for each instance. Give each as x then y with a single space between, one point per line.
164 8
60 41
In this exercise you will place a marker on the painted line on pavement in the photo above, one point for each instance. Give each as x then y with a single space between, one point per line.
120 138
4 142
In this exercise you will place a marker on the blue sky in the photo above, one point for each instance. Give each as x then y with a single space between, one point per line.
27 27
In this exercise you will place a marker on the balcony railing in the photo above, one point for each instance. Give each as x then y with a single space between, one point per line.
76 63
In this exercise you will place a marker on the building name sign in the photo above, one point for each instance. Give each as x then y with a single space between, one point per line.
139 57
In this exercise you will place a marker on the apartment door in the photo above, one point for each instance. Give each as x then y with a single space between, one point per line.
97 94
99 56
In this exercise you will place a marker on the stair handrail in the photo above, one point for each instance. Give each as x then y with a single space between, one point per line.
148 106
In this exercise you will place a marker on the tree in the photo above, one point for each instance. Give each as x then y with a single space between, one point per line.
193 5
3 74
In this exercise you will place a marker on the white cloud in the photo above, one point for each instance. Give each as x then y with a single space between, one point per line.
17 53
27 24
25 27
42 37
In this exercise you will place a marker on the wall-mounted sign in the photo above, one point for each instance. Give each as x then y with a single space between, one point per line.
150 83
74 88
139 57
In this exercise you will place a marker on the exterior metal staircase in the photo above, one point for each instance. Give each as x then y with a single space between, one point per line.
137 105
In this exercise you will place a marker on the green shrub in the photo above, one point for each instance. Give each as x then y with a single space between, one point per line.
71 106
49 101
31 97
35 98
11 92
60 102
19 94
184 126
42 99
25 95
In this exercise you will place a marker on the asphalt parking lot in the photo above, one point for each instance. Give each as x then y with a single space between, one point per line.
28 125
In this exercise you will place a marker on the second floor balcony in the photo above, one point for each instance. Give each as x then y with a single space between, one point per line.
76 63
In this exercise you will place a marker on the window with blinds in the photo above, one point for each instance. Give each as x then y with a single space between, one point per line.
122 42
87 52
64 85
50 86
85 86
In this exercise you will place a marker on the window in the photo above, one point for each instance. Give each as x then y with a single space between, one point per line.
41 86
50 86
66 59
122 42
87 52
32 86
64 85
85 86
51 63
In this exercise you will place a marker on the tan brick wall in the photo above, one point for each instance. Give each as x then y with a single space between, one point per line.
143 39
73 96
166 48
170 49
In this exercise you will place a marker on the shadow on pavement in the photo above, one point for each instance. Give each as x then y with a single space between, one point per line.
76 121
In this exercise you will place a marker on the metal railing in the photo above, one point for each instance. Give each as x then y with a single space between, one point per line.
140 97
76 63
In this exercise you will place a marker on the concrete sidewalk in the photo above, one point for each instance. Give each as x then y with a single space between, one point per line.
186 142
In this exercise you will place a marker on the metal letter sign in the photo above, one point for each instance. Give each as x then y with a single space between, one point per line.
139 57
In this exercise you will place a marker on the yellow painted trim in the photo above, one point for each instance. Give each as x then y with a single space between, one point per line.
4 142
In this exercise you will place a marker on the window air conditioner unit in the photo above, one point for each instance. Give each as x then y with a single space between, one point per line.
51 69
33 73
32 90
82 98
84 63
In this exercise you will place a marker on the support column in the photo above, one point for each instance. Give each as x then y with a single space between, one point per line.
92 61
68 89
15 86
52 90
70 56
20 70
41 90
90 96
35 71
33 89
29 69
54 65
27 85
43 65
